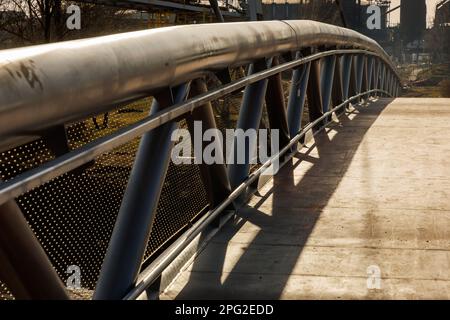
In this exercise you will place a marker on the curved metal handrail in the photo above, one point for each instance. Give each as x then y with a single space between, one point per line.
47 85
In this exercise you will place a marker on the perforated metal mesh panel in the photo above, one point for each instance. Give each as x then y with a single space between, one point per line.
5 294
183 197
73 215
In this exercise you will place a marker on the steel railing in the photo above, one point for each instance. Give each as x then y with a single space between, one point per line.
45 87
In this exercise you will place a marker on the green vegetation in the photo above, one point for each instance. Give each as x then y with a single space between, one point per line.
422 92
431 81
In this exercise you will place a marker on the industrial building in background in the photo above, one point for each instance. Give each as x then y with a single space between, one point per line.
413 20
410 40
442 14
349 13
438 37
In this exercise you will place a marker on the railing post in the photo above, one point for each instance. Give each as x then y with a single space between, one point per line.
136 215
297 95
360 63
314 94
388 81
382 77
367 85
326 81
395 85
391 87
370 69
353 88
388 78
388 88
397 89
56 140
338 89
249 118
365 73
374 74
214 176
347 70
24 266
215 6
376 77
276 108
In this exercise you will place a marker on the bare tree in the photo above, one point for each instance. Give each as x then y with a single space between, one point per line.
27 22
437 42
322 10
32 21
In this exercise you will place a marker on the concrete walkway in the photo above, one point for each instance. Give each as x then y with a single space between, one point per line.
373 190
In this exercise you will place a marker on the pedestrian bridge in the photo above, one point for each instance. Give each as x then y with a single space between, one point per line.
370 190
92 204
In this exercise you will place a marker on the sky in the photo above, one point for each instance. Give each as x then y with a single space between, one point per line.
431 6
